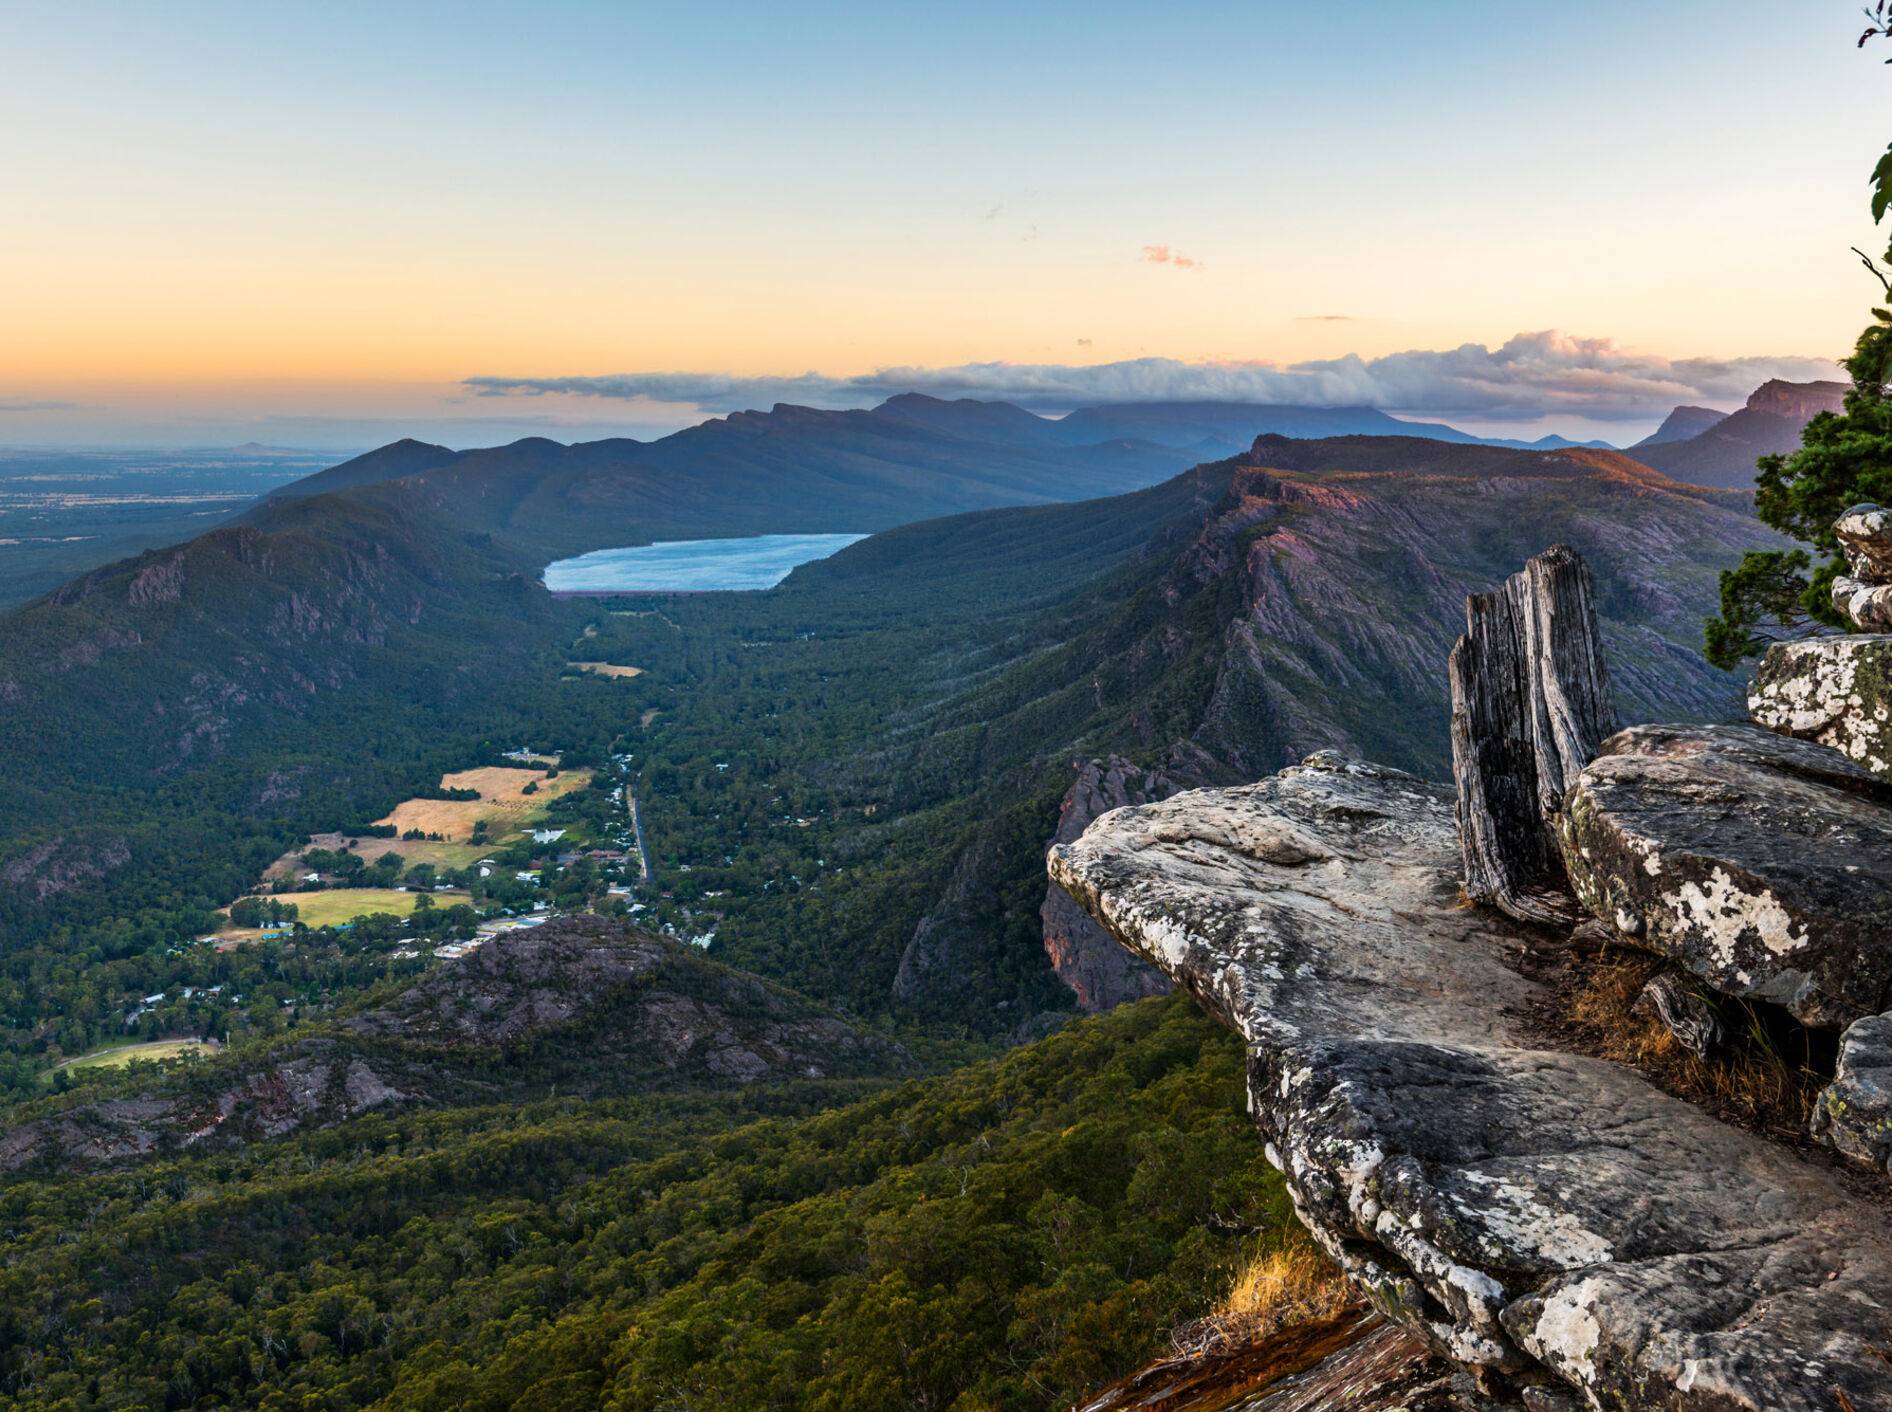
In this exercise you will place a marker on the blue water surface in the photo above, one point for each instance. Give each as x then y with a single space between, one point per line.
693 565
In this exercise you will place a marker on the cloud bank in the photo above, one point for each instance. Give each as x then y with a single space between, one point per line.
1532 375
15 404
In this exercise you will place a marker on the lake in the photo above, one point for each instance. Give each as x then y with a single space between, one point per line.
693 565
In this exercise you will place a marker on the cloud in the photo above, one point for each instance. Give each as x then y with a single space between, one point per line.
1532 375
9 404
1324 319
1163 255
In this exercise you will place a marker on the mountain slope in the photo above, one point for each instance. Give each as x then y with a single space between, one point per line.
1769 425
391 462
1312 606
789 470
1682 424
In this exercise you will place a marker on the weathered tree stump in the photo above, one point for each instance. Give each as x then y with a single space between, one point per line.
1530 704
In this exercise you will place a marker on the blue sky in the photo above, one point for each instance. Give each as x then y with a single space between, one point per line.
322 219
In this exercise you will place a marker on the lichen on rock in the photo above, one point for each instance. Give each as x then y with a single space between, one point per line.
1833 690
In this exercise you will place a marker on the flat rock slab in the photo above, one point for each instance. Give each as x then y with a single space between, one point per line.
1833 690
1760 863
1539 1214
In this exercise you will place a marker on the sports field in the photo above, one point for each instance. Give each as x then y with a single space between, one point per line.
328 907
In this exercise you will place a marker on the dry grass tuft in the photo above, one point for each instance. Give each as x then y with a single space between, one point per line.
1749 1079
1291 1284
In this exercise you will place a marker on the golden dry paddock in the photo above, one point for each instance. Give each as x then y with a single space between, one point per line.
607 669
503 802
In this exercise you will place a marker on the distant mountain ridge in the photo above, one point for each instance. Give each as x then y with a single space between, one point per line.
1724 452
805 470
1681 424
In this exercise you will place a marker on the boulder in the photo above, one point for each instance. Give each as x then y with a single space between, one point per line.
1530 703
1551 1219
1853 1114
1865 537
1759 863
1834 690
1865 605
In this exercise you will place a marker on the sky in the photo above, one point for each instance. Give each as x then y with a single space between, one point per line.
332 225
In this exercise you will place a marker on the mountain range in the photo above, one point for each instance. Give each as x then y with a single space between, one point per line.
803 470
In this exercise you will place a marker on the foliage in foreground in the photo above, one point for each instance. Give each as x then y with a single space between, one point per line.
1005 1236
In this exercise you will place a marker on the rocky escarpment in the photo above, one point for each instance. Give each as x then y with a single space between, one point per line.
1099 972
1724 452
1546 1218
581 1006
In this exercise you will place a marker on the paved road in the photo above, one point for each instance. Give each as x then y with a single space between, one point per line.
637 829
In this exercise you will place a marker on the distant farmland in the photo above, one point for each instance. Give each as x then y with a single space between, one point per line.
118 1056
328 907
503 803
607 669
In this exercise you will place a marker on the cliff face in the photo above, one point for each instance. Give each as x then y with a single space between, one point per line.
1099 972
1327 584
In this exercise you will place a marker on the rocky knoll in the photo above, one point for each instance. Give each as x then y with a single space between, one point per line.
581 1005
1550 1220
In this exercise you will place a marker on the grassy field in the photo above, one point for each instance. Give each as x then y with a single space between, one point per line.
607 669
122 1054
328 907
502 803
412 851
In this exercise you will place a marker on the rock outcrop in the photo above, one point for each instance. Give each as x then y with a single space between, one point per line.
1834 690
1530 703
1853 1115
1547 1218
1864 595
1754 861
1098 971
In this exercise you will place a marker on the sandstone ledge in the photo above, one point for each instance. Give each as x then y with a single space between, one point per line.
1541 1215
